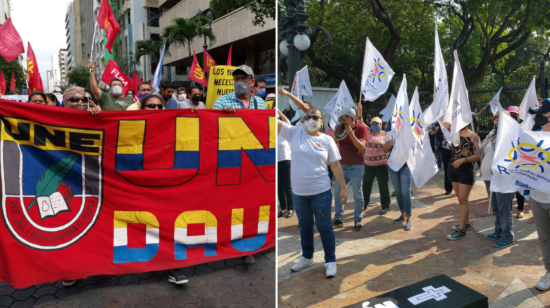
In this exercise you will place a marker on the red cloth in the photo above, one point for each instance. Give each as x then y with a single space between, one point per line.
197 74
2 83
348 151
11 44
112 71
229 56
35 81
107 21
12 84
208 61
158 180
136 82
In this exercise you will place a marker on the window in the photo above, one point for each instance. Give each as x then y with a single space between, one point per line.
153 15
155 37
181 70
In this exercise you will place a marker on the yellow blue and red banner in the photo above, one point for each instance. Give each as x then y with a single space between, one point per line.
122 192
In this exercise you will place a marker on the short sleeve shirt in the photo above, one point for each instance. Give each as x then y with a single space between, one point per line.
187 104
310 158
110 103
350 154
232 100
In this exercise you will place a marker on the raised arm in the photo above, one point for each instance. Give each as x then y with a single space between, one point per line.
282 116
279 126
301 105
93 83
481 111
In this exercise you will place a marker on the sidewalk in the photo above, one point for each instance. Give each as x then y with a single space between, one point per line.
225 283
383 256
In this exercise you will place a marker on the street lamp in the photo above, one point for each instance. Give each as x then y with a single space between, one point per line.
209 17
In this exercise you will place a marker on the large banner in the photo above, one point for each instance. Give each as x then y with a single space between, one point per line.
220 82
127 192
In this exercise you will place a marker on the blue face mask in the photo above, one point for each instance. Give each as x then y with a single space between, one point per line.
142 95
261 93
302 113
375 128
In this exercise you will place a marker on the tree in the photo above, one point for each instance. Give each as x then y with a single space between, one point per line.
183 31
12 67
262 9
79 76
148 48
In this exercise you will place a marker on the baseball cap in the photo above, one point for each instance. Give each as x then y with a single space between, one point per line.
513 109
351 113
270 97
244 69
377 120
543 108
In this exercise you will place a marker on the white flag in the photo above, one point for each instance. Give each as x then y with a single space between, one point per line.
444 130
401 131
458 111
301 86
495 103
388 111
339 104
441 85
377 74
422 161
529 101
521 160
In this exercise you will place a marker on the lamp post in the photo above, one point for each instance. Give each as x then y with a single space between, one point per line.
209 16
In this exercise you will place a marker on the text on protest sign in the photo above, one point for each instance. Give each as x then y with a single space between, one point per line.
220 82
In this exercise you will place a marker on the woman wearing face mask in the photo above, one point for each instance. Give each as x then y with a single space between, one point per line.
501 203
312 151
461 175
131 94
376 165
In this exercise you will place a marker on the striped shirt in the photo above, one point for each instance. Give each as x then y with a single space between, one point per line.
232 100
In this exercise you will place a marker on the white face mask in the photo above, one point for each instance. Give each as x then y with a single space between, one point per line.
117 90
312 125
182 97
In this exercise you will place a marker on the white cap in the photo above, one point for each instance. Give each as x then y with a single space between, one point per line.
377 120
351 113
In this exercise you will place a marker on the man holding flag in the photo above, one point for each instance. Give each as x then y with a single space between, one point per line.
115 99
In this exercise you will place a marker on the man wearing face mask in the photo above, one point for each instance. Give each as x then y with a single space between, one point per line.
351 149
242 98
115 100
260 88
181 94
144 89
166 89
193 102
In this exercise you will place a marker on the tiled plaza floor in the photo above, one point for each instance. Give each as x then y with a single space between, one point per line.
383 256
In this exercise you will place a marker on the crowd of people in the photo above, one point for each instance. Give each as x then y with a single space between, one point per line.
309 158
250 93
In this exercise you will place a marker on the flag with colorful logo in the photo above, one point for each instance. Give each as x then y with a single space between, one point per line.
113 71
209 62
339 104
522 158
197 73
441 86
400 129
388 110
107 21
300 87
529 101
458 112
377 74
495 103
35 81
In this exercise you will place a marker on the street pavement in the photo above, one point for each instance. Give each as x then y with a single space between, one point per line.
383 256
226 283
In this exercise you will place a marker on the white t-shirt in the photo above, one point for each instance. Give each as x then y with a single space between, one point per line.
187 104
300 124
486 162
283 148
310 158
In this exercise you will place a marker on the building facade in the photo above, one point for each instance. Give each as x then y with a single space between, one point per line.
63 66
70 33
49 81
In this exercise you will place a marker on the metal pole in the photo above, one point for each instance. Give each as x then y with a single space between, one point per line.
294 62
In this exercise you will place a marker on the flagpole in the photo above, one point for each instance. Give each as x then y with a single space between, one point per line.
93 42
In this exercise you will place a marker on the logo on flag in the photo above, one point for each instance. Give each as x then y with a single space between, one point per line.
378 72
398 119
528 155
417 126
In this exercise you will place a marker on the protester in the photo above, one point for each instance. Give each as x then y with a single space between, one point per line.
130 93
501 203
15 92
445 148
75 97
462 177
284 190
270 100
115 100
144 89
376 165
181 95
51 100
242 98
540 200
166 89
37 97
152 102
260 88
312 151
193 102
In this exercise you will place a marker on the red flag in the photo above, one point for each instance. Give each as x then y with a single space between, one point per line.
2 83
137 82
112 71
107 21
35 81
12 84
208 61
11 44
229 56
196 73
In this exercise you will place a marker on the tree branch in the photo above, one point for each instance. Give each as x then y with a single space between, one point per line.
379 13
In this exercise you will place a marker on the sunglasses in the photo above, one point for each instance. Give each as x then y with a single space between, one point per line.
76 99
314 117
153 106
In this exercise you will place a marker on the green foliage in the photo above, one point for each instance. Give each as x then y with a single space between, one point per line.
262 9
12 67
183 31
148 48
79 76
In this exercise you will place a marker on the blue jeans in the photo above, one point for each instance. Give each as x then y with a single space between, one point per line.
353 174
318 206
502 207
402 182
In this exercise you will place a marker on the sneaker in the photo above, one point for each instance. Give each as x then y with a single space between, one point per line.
492 236
176 276
544 282
457 235
357 226
331 269
337 224
289 213
384 212
408 225
302 263
281 214
69 283
399 220
468 227
501 244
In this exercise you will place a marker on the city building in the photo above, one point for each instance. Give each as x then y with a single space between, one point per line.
71 37
254 45
56 70
63 65
5 10
49 81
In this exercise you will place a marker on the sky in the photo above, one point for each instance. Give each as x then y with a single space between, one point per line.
42 22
